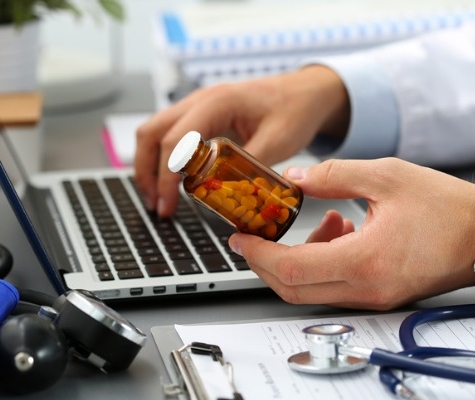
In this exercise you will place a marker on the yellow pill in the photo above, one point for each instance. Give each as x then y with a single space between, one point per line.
277 191
239 211
272 200
284 215
270 230
229 204
248 215
246 187
262 183
200 192
289 202
233 185
218 192
287 193
238 196
225 191
256 222
250 202
214 201
263 194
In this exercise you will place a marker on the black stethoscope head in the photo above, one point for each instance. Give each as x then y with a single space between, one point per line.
33 351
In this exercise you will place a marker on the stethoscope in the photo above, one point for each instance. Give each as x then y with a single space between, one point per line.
330 353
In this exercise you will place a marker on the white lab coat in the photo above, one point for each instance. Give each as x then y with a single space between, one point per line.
431 81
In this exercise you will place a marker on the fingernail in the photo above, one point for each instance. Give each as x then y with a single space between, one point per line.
160 206
148 204
235 247
323 220
297 173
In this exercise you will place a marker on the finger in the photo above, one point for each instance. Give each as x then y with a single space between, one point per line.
268 147
147 153
330 227
349 178
337 294
302 264
201 118
348 226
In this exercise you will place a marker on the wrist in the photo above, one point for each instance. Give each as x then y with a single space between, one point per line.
330 99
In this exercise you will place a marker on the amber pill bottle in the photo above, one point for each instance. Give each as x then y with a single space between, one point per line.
226 179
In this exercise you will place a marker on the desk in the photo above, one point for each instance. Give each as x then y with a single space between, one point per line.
73 141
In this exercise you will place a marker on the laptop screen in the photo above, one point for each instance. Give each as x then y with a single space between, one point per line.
30 232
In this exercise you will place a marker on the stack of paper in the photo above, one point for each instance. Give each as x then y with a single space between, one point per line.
235 37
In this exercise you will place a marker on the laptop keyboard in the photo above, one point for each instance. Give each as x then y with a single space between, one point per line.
127 244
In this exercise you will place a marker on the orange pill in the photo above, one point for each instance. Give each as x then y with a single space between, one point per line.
270 230
287 193
214 201
257 222
284 216
247 216
263 194
289 202
232 185
262 183
239 211
272 200
238 196
276 192
250 202
224 191
229 204
246 187
200 192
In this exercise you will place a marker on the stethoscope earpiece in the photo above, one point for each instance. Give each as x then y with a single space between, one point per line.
33 354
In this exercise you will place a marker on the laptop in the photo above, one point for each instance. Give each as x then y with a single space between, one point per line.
90 230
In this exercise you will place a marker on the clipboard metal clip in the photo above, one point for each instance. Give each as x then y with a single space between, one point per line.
190 385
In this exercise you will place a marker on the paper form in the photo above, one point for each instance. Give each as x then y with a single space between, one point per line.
259 352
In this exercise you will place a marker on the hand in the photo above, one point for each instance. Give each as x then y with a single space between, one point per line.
273 117
418 238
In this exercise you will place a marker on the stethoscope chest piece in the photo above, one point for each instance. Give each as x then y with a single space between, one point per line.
325 355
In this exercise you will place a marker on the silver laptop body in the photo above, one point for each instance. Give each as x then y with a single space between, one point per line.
99 237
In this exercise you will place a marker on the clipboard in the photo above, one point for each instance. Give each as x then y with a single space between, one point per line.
259 351
175 386
184 380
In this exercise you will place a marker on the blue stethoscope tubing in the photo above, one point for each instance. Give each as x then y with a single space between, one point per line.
413 357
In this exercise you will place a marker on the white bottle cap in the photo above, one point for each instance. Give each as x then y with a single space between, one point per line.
183 151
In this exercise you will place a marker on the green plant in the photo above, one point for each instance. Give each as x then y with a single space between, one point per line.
20 12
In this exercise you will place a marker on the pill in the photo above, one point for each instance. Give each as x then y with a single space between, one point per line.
247 216
256 222
262 183
289 202
239 211
200 192
284 216
249 201
270 230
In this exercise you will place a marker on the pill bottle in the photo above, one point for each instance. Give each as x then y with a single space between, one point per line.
230 182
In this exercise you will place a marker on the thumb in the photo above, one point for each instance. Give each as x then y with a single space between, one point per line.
344 179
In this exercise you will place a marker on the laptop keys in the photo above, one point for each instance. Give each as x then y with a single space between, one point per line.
153 262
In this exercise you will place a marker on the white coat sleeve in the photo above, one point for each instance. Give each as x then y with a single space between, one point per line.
432 78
